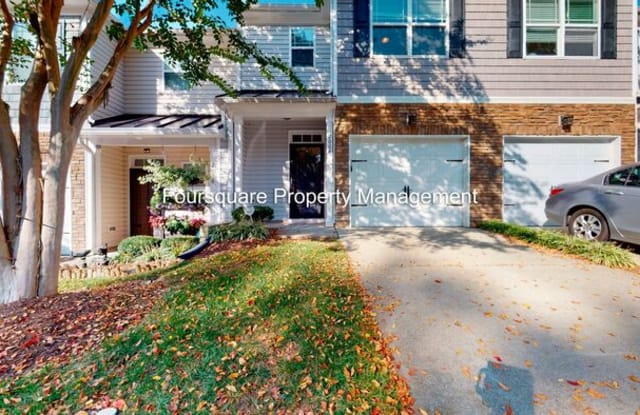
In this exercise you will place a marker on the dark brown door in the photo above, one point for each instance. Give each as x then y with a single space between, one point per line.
139 196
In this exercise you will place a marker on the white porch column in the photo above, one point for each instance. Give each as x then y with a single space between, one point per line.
329 171
90 198
237 156
92 195
223 173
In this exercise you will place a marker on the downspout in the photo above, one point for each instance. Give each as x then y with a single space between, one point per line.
333 31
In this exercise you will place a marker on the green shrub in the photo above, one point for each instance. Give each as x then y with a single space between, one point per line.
261 214
603 253
177 245
153 253
238 231
135 246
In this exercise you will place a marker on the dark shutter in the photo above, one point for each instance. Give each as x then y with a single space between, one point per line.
609 29
456 36
514 29
361 23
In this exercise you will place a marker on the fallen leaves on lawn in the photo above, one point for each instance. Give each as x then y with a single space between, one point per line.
59 328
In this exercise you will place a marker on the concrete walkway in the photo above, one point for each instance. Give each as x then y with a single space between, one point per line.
486 327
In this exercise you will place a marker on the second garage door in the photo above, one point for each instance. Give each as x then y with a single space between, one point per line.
533 164
417 165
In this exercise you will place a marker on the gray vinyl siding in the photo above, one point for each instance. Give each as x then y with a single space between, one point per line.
144 86
265 157
485 73
275 41
11 93
100 55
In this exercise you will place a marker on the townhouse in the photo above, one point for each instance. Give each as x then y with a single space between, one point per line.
496 98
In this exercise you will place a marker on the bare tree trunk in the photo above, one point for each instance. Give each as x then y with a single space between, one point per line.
53 207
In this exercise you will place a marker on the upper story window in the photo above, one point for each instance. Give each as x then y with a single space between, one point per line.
302 46
562 28
25 41
173 78
410 27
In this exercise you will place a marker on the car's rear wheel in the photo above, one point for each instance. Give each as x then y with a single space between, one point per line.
589 224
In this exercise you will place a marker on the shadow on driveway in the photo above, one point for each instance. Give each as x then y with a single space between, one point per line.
481 324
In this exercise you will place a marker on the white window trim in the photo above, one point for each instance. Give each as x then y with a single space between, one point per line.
312 48
321 133
134 157
562 27
409 26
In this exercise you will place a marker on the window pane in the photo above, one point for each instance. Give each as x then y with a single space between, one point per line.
386 11
582 11
301 57
542 11
302 37
542 41
581 42
390 40
634 178
174 82
429 41
429 11
619 178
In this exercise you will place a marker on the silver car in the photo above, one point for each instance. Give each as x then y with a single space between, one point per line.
603 207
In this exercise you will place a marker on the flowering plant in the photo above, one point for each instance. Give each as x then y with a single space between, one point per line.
197 222
157 221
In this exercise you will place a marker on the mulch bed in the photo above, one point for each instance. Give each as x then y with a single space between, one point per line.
57 329
220 247
60 328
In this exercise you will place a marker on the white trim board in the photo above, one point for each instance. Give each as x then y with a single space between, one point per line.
482 100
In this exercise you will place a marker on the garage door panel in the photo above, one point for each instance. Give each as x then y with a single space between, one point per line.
400 216
425 165
533 165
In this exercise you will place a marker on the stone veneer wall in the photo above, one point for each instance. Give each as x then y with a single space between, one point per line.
486 125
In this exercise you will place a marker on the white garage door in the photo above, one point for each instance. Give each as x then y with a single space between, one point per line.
533 164
427 167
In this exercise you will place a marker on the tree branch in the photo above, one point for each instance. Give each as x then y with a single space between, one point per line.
92 99
81 47
48 17
7 41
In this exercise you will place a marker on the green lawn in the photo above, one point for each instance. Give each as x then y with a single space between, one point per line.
277 328
603 253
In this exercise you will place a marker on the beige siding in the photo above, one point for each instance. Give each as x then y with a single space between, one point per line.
144 86
486 73
113 205
265 154
114 183
175 156
275 41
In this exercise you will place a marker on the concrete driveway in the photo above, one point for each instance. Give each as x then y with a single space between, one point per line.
482 326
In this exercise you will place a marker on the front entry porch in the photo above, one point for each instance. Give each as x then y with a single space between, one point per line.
281 147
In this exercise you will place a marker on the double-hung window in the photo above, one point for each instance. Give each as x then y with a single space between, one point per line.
562 28
302 46
410 27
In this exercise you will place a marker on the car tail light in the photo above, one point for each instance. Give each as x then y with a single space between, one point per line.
556 191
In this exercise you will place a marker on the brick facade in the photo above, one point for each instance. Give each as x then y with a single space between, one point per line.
486 125
78 200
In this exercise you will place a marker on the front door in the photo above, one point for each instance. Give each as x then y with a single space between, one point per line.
139 196
306 180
